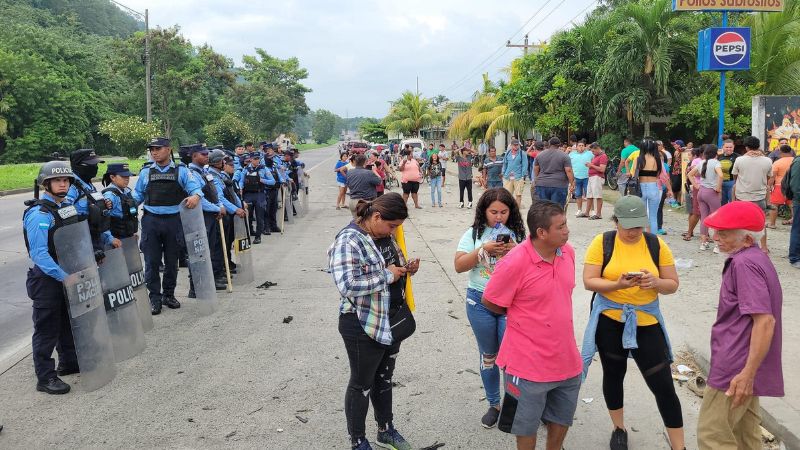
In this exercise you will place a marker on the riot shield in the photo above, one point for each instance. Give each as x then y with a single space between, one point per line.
194 231
301 175
287 203
133 260
242 252
87 316
127 336
281 209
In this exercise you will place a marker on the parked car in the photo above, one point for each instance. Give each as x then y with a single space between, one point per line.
417 146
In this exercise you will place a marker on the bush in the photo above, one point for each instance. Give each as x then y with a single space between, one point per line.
611 143
130 134
229 130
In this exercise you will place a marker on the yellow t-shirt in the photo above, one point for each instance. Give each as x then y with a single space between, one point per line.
629 258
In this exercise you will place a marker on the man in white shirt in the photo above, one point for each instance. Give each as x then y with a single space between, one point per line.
753 172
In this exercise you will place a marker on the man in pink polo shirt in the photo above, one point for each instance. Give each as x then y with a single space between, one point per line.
533 285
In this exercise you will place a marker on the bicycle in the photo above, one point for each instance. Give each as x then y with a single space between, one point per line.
611 173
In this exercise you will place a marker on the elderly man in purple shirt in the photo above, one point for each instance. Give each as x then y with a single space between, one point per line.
746 337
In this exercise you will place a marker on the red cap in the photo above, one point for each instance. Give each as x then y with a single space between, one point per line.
737 216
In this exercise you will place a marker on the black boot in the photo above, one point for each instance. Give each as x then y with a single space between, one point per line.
155 306
220 283
67 370
170 302
191 293
53 386
257 240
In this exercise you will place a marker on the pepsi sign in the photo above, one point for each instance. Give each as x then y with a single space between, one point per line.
724 49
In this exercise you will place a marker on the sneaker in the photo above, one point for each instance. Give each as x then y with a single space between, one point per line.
489 420
469 205
796 264
619 439
440 205
363 444
392 440
704 246
461 205
661 232
716 249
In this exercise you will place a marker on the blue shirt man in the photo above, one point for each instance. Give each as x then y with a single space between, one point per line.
185 180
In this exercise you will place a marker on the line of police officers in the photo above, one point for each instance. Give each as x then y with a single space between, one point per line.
219 182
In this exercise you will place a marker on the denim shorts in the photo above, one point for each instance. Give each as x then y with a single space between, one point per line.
526 403
580 187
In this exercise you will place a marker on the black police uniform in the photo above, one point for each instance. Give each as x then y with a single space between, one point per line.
273 192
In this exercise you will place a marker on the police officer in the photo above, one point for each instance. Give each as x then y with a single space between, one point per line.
124 209
255 182
213 210
162 187
218 161
273 191
238 157
51 326
88 201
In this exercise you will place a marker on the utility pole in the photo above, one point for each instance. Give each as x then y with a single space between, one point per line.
147 94
147 87
525 46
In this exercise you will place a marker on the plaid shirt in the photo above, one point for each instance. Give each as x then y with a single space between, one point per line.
360 274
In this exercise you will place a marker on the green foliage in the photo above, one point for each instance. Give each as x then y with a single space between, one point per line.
229 130
373 130
272 94
324 126
66 66
775 51
410 113
700 114
129 134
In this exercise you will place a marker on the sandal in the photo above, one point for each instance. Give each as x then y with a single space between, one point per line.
771 227
581 216
595 217
687 237
786 222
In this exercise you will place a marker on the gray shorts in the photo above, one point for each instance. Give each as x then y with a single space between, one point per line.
761 204
526 403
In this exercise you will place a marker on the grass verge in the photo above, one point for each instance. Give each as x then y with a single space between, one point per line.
18 176
313 145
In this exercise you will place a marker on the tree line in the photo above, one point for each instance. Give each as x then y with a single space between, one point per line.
72 75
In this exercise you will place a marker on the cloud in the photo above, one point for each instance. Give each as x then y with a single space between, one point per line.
361 54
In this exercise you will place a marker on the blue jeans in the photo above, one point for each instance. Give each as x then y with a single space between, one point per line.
494 183
554 194
581 184
489 329
436 189
651 195
727 191
794 236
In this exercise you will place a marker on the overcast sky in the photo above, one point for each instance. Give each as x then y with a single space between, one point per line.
362 54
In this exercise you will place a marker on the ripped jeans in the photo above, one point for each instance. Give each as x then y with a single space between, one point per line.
371 370
489 329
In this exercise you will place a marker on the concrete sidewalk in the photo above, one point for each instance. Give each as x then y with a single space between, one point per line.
242 378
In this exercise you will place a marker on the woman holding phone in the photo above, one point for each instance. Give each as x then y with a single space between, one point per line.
370 271
497 228
628 270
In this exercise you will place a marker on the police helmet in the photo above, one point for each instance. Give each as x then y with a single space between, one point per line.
215 157
54 169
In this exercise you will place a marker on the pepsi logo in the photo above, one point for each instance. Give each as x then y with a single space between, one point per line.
730 48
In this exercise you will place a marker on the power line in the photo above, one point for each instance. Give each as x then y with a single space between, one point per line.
563 27
545 17
480 65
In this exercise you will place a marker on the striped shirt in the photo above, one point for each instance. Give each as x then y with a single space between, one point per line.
361 276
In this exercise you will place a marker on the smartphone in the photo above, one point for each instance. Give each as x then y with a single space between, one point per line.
633 274
411 262
504 238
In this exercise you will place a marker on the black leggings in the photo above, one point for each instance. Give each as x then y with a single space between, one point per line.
660 215
371 370
652 357
464 184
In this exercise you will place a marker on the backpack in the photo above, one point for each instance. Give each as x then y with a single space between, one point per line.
609 239
786 183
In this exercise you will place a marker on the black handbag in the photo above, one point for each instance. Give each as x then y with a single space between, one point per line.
633 187
402 323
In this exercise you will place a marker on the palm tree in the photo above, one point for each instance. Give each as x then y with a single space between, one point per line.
411 113
775 52
485 116
651 46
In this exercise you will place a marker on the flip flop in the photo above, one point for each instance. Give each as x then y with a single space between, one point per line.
786 222
771 227
687 237
595 217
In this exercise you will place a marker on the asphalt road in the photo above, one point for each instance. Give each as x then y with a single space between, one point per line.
15 306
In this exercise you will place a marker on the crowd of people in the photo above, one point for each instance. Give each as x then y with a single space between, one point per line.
245 183
520 284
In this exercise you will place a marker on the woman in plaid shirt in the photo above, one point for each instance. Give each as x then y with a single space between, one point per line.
369 271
